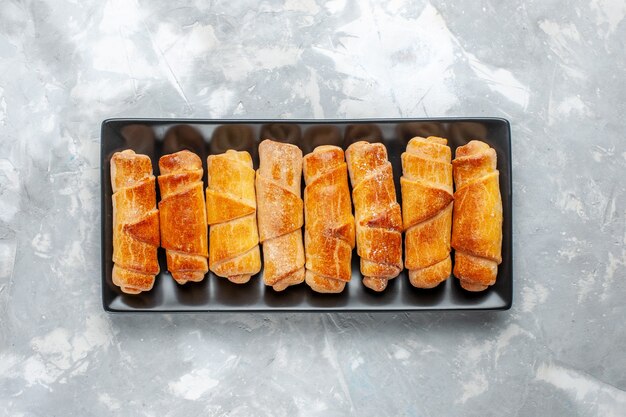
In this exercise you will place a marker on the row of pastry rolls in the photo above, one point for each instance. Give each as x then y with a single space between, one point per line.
231 213
330 228
435 219
179 224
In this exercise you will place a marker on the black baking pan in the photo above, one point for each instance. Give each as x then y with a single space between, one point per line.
157 137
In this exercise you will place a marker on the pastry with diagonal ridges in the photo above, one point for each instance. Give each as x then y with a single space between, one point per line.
477 224
377 213
329 224
135 222
183 216
280 216
231 213
427 202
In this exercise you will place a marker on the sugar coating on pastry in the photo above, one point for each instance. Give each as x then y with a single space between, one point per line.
280 213
378 216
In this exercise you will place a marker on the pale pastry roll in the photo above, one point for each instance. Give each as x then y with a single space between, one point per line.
329 224
377 213
135 222
231 209
427 202
477 228
183 216
280 216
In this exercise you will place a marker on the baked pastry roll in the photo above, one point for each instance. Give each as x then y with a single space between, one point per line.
477 224
377 213
329 224
135 222
183 216
426 184
231 212
280 215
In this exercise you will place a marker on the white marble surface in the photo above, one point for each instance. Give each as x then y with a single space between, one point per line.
555 71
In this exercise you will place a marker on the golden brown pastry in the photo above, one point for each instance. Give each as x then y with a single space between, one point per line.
135 222
231 209
183 216
329 224
427 210
280 214
377 212
477 228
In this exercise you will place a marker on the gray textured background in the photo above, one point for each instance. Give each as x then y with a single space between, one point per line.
557 72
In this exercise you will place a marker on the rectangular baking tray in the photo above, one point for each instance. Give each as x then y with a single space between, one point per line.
157 137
